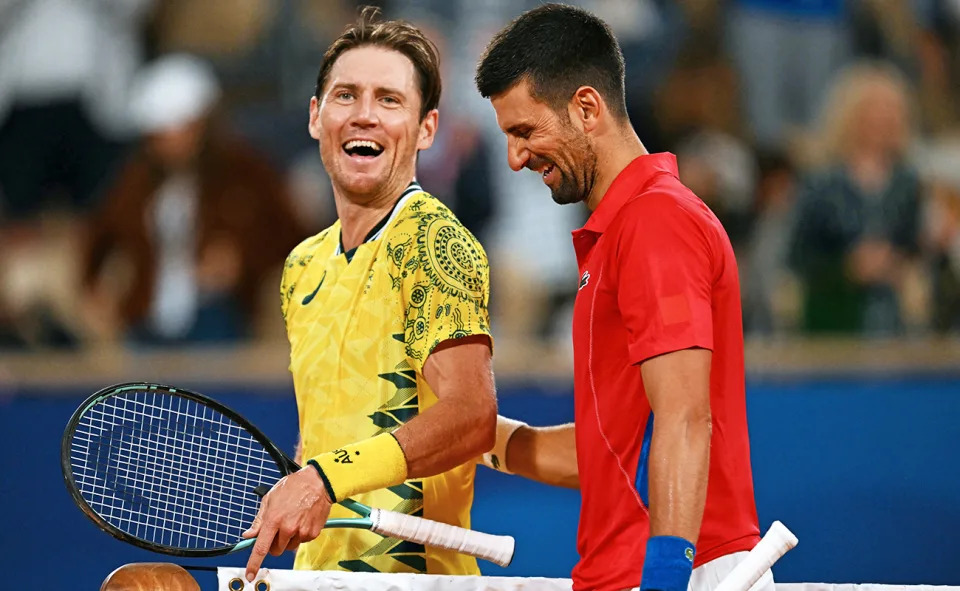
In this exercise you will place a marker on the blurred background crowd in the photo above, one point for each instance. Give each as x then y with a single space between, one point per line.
155 166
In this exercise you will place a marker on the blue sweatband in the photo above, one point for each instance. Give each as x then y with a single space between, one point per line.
668 564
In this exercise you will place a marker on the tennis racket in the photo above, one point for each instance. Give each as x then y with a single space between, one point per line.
775 543
176 472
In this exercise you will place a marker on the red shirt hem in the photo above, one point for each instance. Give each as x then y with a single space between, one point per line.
744 544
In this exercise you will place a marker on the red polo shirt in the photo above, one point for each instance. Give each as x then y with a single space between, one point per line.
658 275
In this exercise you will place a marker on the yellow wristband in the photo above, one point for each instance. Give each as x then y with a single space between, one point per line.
364 466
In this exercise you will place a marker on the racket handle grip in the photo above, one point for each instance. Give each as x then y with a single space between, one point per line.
775 543
496 549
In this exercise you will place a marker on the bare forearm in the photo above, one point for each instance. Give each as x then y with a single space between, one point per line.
679 467
463 422
545 454
446 436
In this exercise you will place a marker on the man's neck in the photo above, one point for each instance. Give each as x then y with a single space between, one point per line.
360 214
615 155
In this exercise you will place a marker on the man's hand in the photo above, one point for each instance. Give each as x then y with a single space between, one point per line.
293 512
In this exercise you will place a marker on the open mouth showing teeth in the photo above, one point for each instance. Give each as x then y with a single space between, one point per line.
548 170
364 148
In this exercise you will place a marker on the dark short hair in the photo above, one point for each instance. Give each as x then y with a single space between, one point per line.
558 48
392 34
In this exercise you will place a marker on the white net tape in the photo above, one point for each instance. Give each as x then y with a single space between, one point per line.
290 580
294 580
739 571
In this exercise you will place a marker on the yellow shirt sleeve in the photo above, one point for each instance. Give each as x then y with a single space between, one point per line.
444 283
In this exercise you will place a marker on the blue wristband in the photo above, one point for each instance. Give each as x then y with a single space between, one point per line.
668 564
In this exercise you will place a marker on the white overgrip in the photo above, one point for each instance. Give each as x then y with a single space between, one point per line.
496 549
778 541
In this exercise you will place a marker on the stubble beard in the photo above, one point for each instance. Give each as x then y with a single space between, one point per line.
576 186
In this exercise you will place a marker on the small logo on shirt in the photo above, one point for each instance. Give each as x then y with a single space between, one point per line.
584 280
689 554
309 297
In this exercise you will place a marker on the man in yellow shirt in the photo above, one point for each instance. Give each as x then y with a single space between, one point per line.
386 313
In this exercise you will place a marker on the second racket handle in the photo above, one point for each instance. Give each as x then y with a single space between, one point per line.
496 549
775 543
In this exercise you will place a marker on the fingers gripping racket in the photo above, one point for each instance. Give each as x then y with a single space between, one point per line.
178 473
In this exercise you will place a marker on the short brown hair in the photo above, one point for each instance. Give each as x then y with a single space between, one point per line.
392 34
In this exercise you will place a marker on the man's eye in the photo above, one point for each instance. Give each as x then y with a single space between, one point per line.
344 95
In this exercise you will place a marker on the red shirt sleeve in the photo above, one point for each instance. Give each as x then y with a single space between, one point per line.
665 276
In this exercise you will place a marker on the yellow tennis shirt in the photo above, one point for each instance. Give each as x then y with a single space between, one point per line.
361 325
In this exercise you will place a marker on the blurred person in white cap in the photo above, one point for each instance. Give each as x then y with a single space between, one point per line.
193 224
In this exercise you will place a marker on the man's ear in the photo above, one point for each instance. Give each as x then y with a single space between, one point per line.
313 126
586 107
428 130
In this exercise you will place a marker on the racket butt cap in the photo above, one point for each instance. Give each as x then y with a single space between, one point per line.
782 534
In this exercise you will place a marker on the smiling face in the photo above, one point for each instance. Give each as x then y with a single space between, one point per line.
546 141
367 121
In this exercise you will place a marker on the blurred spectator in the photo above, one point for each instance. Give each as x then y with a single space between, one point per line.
311 192
920 37
887 30
65 66
722 171
193 226
457 168
770 291
213 28
701 92
786 52
651 34
533 265
939 58
858 219
38 271
941 165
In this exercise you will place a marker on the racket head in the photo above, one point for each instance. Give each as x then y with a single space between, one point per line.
167 469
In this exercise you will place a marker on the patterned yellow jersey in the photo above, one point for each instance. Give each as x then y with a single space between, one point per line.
361 325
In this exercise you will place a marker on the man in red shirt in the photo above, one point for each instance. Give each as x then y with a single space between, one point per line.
659 447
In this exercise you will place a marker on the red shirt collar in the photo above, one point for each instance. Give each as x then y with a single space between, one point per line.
627 184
